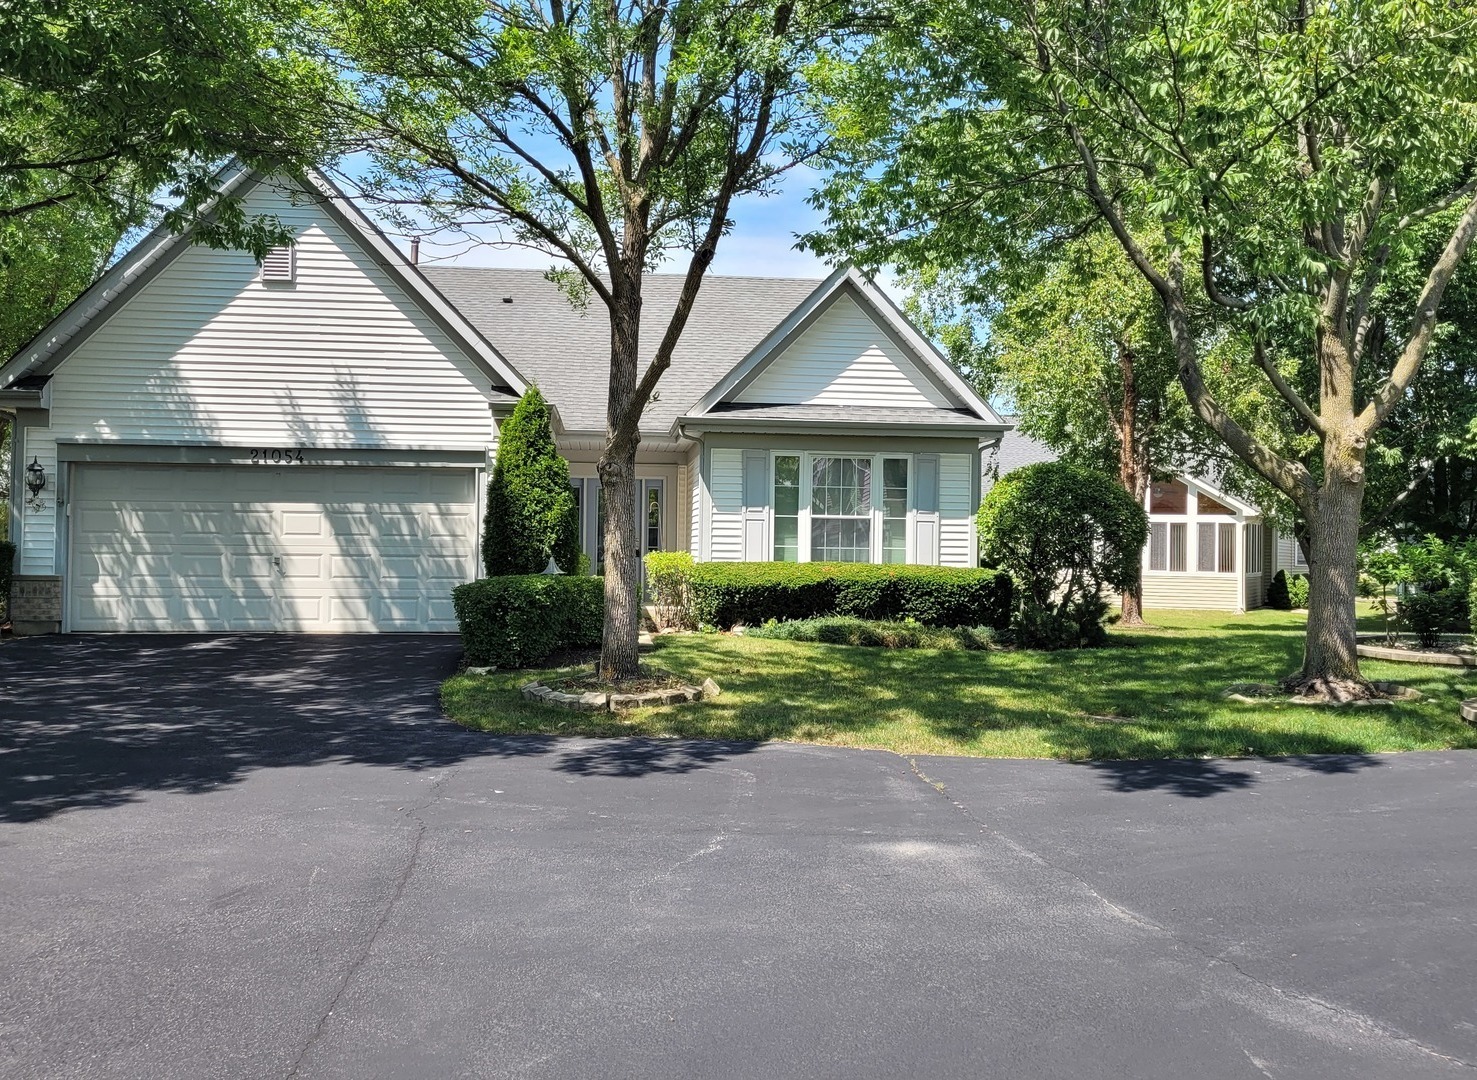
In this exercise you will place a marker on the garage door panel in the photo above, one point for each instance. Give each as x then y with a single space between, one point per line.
235 548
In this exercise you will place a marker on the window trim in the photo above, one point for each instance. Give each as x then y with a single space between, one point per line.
807 458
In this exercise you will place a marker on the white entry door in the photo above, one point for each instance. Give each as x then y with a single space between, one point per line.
165 548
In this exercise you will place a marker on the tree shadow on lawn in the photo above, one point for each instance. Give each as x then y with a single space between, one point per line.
1129 701
99 720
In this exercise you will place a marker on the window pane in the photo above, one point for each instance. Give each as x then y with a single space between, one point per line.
1178 546
1168 497
1158 546
786 539
895 540
1205 549
1210 507
1227 564
653 518
895 487
841 509
786 508
841 539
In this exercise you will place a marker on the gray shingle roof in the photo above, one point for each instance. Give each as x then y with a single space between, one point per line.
1016 450
567 353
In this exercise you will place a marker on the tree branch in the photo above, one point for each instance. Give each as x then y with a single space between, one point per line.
1422 326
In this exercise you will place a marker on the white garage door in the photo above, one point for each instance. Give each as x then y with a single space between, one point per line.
304 548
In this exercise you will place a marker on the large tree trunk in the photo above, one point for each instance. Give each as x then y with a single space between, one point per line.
617 468
1133 472
618 645
1330 650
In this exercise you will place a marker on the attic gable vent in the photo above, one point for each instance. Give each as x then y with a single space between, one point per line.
280 264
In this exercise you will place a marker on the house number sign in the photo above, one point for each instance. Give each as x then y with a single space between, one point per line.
281 455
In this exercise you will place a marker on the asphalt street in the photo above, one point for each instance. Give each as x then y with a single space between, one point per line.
271 857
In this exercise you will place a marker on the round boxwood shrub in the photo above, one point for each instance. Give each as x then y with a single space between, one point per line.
1065 534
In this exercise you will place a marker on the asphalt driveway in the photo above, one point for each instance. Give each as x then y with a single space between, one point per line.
270 857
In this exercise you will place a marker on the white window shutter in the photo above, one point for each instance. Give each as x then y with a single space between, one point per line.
280 264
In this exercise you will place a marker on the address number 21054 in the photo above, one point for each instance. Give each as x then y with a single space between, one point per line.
277 456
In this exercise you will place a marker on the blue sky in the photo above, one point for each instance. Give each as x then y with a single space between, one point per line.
762 242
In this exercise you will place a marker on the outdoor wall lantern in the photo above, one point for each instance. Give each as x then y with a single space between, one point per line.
35 478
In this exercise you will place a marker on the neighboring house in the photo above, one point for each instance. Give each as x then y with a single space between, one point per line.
304 445
1207 549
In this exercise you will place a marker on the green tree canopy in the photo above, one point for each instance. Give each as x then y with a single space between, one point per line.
531 511
124 110
1287 154
610 137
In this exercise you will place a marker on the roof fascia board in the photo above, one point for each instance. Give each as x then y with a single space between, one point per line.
926 350
79 319
859 427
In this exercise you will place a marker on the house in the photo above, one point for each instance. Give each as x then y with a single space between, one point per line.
303 445
1207 548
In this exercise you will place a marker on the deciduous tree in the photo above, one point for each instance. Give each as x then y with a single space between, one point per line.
610 136
1287 152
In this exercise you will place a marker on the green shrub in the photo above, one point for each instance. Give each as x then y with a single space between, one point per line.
1429 614
1066 534
7 568
531 513
668 588
1297 590
1472 608
517 620
845 630
727 594
1278 597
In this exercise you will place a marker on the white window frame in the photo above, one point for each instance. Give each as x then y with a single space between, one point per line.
807 459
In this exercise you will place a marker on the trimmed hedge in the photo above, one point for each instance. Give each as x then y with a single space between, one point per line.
7 568
518 620
845 630
726 594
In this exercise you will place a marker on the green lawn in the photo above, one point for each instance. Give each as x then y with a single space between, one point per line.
1151 693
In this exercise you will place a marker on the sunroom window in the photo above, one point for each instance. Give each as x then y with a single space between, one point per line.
841 509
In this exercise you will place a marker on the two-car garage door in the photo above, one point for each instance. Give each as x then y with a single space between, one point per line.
157 548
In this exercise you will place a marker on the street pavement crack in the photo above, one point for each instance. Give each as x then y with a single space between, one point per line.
401 881
1350 1016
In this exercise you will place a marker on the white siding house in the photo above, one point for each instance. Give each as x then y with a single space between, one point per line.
302 445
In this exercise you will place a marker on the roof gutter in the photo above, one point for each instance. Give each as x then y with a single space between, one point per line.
844 427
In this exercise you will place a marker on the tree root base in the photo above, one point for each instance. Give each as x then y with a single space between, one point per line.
1299 690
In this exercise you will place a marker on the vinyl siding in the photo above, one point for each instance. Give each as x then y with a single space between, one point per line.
844 358
1256 591
956 517
38 529
726 486
694 492
1202 592
207 354
1288 555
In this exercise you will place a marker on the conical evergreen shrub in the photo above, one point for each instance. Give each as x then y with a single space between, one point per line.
531 511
